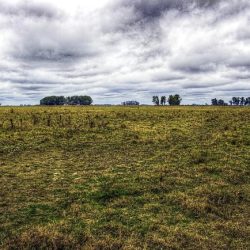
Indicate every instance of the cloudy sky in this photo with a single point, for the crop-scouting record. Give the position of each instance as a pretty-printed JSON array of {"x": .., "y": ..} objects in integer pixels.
[{"x": 118, "y": 50}]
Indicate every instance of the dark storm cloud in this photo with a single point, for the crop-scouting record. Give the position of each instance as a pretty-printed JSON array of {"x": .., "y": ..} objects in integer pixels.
[{"x": 148, "y": 10}]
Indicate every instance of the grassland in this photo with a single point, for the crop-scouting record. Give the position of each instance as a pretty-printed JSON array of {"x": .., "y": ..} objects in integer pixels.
[{"x": 124, "y": 178}]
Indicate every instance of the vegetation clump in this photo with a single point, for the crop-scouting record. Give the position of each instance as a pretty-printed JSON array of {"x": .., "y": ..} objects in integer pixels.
[
  {"x": 61, "y": 100},
  {"x": 124, "y": 178}
]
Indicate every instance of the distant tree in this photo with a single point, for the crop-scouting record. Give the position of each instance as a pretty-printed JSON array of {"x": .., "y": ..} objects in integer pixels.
[
  {"x": 53, "y": 100},
  {"x": 156, "y": 100},
  {"x": 236, "y": 101},
  {"x": 79, "y": 100},
  {"x": 247, "y": 101},
  {"x": 174, "y": 100},
  {"x": 163, "y": 100},
  {"x": 222, "y": 103},
  {"x": 242, "y": 101},
  {"x": 131, "y": 103},
  {"x": 214, "y": 102},
  {"x": 231, "y": 102},
  {"x": 61, "y": 100}
]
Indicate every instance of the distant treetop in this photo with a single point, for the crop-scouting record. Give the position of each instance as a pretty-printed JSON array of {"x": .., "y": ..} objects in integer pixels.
[
  {"x": 131, "y": 103},
  {"x": 71, "y": 100},
  {"x": 173, "y": 100},
  {"x": 235, "y": 101}
]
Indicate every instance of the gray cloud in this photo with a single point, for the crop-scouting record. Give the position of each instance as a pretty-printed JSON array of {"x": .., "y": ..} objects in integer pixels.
[
  {"x": 49, "y": 41},
  {"x": 149, "y": 10},
  {"x": 128, "y": 49},
  {"x": 29, "y": 10}
]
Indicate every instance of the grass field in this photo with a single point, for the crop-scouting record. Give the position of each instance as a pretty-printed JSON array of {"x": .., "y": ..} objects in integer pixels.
[{"x": 124, "y": 178}]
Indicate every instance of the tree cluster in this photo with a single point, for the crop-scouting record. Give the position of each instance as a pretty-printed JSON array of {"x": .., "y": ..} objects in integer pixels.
[
  {"x": 220, "y": 102},
  {"x": 236, "y": 101},
  {"x": 173, "y": 100},
  {"x": 71, "y": 100},
  {"x": 242, "y": 101}
]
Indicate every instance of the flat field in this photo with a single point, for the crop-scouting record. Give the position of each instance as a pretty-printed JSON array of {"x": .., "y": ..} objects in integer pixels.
[{"x": 124, "y": 178}]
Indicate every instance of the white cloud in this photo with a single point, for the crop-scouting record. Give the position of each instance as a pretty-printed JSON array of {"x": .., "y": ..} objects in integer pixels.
[{"x": 121, "y": 49}]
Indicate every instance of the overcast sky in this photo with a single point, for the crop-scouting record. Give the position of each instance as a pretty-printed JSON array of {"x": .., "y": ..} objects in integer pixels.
[{"x": 118, "y": 50}]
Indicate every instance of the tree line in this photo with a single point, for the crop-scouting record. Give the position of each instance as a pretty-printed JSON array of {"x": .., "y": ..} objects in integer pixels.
[
  {"x": 173, "y": 100},
  {"x": 71, "y": 100},
  {"x": 235, "y": 101}
]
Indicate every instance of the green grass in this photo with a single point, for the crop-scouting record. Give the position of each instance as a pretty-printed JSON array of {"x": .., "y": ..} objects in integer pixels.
[{"x": 124, "y": 178}]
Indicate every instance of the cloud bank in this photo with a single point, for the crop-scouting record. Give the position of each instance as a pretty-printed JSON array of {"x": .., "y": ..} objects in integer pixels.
[{"x": 125, "y": 49}]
